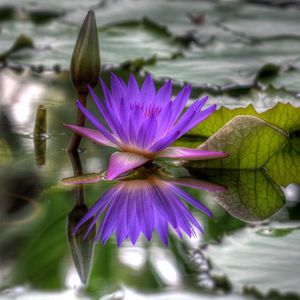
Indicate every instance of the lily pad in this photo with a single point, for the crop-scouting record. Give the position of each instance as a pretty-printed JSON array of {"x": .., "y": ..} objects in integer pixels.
[
  {"x": 262, "y": 22},
  {"x": 264, "y": 261},
  {"x": 284, "y": 116},
  {"x": 224, "y": 64},
  {"x": 249, "y": 141},
  {"x": 289, "y": 79}
]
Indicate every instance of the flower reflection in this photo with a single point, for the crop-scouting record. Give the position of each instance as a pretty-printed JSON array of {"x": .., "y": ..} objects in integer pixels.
[
  {"x": 141, "y": 124},
  {"x": 143, "y": 205}
]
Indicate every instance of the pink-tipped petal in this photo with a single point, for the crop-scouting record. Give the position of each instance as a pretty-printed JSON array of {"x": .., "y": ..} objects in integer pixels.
[
  {"x": 190, "y": 153},
  {"x": 94, "y": 135},
  {"x": 121, "y": 162}
]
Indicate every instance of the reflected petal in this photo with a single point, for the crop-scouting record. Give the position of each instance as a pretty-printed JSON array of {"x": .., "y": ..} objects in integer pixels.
[
  {"x": 121, "y": 162},
  {"x": 191, "y": 200},
  {"x": 199, "y": 184}
]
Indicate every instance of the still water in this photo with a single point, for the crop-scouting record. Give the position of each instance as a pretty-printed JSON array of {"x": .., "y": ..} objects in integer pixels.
[{"x": 248, "y": 248}]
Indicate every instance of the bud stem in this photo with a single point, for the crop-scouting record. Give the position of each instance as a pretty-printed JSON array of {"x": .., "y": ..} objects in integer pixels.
[{"x": 76, "y": 138}]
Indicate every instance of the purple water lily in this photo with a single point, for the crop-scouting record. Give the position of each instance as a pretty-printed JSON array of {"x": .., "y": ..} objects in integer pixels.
[
  {"x": 142, "y": 124},
  {"x": 132, "y": 207}
]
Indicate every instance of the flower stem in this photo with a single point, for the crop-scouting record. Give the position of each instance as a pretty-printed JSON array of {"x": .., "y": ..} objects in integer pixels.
[{"x": 76, "y": 138}]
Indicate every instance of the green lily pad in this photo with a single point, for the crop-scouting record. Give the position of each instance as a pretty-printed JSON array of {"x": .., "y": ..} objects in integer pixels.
[
  {"x": 253, "y": 258},
  {"x": 282, "y": 115},
  {"x": 249, "y": 141}
]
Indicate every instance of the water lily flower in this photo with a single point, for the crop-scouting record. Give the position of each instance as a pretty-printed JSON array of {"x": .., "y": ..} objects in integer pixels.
[
  {"x": 132, "y": 207},
  {"x": 141, "y": 124}
]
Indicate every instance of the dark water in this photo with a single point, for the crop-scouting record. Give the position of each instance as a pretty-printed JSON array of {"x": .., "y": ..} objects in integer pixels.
[{"x": 249, "y": 248}]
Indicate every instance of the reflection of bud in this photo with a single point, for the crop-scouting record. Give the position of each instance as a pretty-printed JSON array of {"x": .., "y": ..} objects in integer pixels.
[
  {"x": 85, "y": 63},
  {"x": 82, "y": 249},
  {"x": 40, "y": 140}
]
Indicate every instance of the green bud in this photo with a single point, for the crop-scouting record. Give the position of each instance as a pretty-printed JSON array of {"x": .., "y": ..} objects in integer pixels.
[{"x": 85, "y": 62}]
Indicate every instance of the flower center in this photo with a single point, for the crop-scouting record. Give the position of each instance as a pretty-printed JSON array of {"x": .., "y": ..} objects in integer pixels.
[{"x": 147, "y": 110}]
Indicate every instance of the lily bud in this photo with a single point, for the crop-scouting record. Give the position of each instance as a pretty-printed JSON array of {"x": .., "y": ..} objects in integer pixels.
[{"x": 85, "y": 62}]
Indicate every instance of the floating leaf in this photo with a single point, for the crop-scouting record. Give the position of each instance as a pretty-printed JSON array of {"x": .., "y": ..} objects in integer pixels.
[
  {"x": 282, "y": 115},
  {"x": 249, "y": 141},
  {"x": 226, "y": 64}
]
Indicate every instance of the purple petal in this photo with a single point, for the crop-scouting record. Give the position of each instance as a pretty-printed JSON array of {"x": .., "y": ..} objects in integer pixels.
[
  {"x": 180, "y": 102},
  {"x": 164, "y": 142},
  {"x": 118, "y": 88},
  {"x": 145, "y": 213},
  {"x": 189, "y": 218},
  {"x": 147, "y": 132},
  {"x": 110, "y": 103},
  {"x": 190, "y": 153},
  {"x": 187, "y": 117},
  {"x": 132, "y": 218},
  {"x": 133, "y": 128},
  {"x": 98, "y": 207},
  {"x": 109, "y": 117},
  {"x": 181, "y": 219},
  {"x": 198, "y": 118},
  {"x": 121, "y": 227},
  {"x": 91, "y": 134},
  {"x": 192, "y": 117},
  {"x": 164, "y": 94},
  {"x": 110, "y": 220},
  {"x": 164, "y": 120},
  {"x": 96, "y": 123},
  {"x": 148, "y": 90},
  {"x": 100, "y": 107},
  {"x": 134, "y": 94},
  {"x": 94, "y": 221},
  {"x": 121, "y": 162},
  {"x": 161, "y": 227},
  {"x": 161, "y": 198}
]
